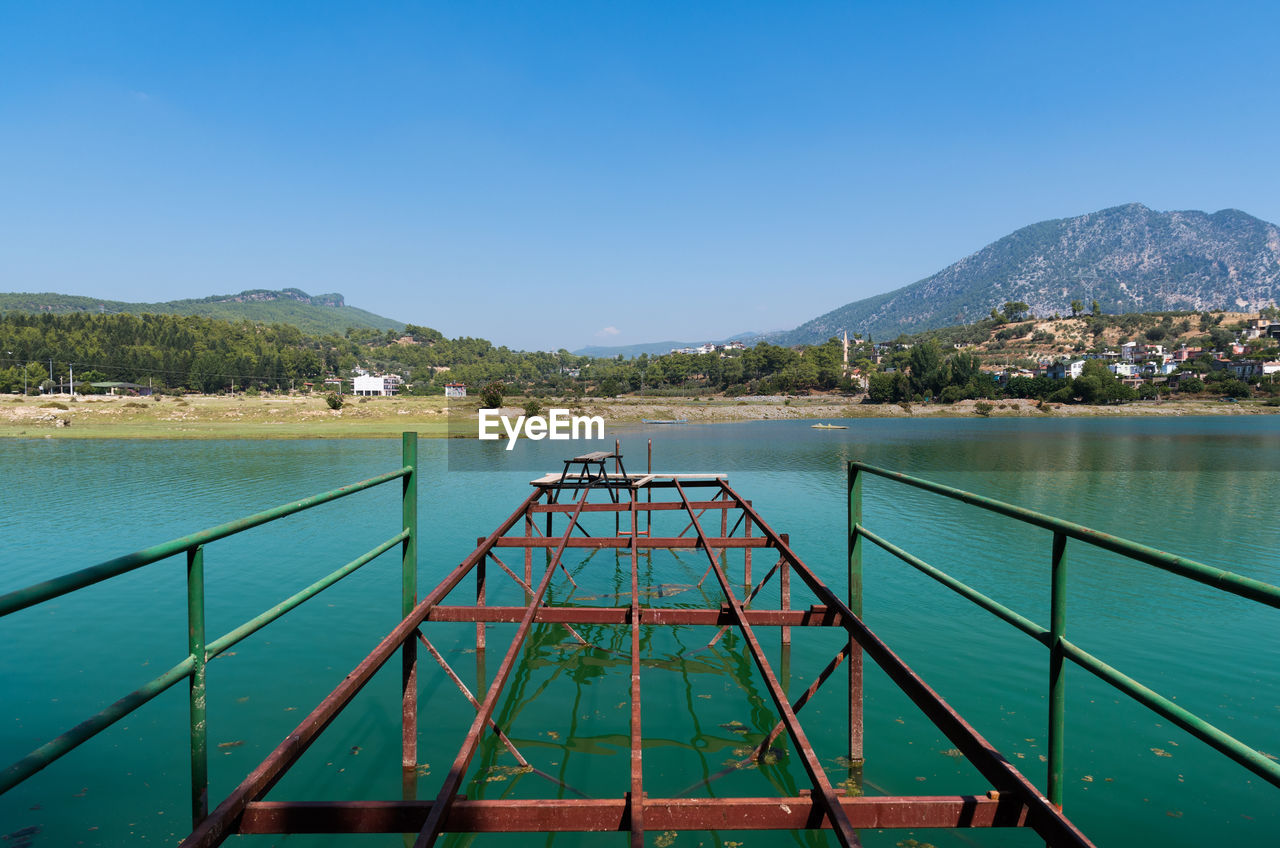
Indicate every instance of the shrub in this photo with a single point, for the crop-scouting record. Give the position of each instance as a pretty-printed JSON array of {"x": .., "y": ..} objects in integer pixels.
[
  {"x": 491, "y": 395},
  {"x": 983, "y": 408},
  {"x": 334, "y": 400},
  {"x": 532, "y": 408},
  {"x": 53, "y": 404},
  {"x": 133, "y": 404},
  {"x": 1234, "y": 388}
]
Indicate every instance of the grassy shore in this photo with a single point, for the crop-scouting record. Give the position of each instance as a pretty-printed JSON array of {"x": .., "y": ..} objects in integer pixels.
[{"x": 307, "y": 417}]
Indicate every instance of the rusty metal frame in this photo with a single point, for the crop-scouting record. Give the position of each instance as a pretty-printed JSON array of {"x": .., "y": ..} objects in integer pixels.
[{"x": 1008, "y": 799}]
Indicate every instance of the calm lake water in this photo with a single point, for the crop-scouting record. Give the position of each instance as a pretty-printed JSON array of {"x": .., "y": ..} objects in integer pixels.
[{"x": 1204, "y": 488}]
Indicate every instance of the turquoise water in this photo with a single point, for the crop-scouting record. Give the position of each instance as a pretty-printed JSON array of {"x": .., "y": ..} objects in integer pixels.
[{"x": 1204, "y": 488}]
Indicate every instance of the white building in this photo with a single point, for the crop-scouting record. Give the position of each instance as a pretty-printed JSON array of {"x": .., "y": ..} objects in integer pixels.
[
  {"x": 376, "y": 385},
  {"x": 455, "y": 390}
]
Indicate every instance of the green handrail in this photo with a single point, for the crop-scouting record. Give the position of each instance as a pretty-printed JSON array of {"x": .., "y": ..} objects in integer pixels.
[
  {"x": 192, "y": 667},
  {"x": 1054, "y": 637}
]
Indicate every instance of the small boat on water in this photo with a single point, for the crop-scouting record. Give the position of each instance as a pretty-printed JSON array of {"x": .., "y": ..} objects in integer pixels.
[
  {"x": 829, "y": 426},
  {"x": 664, "y": 420}
]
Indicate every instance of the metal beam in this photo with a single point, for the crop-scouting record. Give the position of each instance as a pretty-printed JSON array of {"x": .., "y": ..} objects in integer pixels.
[
  {"x": 431, "y": 829},
  {"x": 844, "y": 830},
  {"x": 610, "y": 815}
]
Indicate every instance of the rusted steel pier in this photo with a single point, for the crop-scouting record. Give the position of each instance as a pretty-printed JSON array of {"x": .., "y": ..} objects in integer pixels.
[{"x": 570, "y": 512}]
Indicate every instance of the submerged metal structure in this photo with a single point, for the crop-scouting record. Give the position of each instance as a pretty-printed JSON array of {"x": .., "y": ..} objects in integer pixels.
[{"x": 626, "y": 514}]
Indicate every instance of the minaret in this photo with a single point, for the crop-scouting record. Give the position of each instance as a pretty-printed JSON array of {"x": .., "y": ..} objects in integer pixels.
[{"x": 846, "y": 351}]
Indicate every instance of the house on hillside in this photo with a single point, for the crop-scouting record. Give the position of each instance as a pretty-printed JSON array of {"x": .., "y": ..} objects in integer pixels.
[
  {"x": 1246, "y": 369},
  {"x": 1064, "y": 370},
  {"x": 455, "y": 390},
  {"x": 1259, "y": 327},
  {"x": 1123, "y": 369}
]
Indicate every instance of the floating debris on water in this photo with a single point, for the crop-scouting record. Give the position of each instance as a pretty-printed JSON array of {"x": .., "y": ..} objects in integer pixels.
[
  {"x": 355, "y": 750},
  {"x": 735, "y": 726},
  {"x": 666, "y": 839},
  {"x": 500, "y": 773},
  {"x": 423, "y": 769},
  {"x": 953, "y": 752},
  {"x": 235, "y": 744},
  {"x": 1161, "y": 752},
  {"x": 1088, "y": 778},
  {"x": 851, "y": 787}
]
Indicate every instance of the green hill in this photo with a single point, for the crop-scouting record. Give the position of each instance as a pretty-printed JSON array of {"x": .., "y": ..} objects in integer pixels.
[{"x": 319, "y": 314}]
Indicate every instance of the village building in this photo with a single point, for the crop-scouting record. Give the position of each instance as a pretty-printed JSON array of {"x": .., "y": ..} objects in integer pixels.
[{"x": 377, "y": 385}]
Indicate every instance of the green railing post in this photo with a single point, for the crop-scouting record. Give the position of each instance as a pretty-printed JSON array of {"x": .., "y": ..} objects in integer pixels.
[
  {"x": 1057, "y": 667},
  {"x": 409, "y": 600},
  {"x": 855, "y": 606},
  {"x": 199, "y": 725}
]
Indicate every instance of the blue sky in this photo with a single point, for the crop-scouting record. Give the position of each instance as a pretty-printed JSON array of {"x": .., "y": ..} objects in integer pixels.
[{"x": 558, "y": 174}]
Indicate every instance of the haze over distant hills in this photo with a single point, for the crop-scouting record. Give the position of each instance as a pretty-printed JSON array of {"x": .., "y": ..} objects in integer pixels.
[
  {"x": 655, "y": 348},
  {"x": 324, "y": 313},
  {"x": 1128, "y": 258}
]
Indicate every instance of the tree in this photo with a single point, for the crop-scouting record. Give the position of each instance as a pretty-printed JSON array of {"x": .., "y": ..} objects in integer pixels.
[
  {"x": 1013, "y": 310},
  {"x": 1076, "y": 308},
  {"x": 1234, "y": 388},
  {"x": 491, "y": 395},
  {"x": 927, "y": 377},
  {"x": 1097, "y": 310}
]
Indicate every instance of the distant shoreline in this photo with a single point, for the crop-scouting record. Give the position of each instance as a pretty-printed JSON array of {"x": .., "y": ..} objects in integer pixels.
[{"x": 308, "y": 417}]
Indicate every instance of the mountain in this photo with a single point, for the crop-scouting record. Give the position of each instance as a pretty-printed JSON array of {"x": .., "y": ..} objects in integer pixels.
[
  {"x": 324, "y": 313},
  {"x": 1128, "y": 258}
]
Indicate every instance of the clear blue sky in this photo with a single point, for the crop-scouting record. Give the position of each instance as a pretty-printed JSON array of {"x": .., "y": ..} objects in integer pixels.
[{"x": 560, "y": 174}]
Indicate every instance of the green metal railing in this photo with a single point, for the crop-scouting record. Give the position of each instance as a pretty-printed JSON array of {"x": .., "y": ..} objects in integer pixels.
[
  {"x": 1054, "y": 636},
  {"x": 199, "y": 650}
]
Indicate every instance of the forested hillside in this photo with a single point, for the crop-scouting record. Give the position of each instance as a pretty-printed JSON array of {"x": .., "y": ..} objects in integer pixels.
[{"x": 323, "y": 313}]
